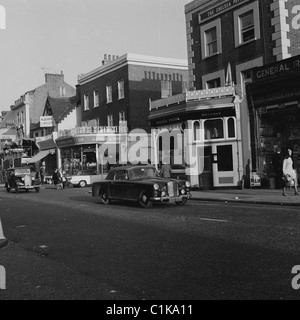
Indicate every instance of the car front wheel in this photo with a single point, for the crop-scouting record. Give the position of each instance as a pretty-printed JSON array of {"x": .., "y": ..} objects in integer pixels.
[
  {"x": 144, "y": 200},
  {"x": 103, "y": 196}
]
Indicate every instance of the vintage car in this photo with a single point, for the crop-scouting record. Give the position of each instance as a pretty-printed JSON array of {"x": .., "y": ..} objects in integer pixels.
[
  {"x": 21, "y": 179},
  {"x": 84, "y": 178},
  {"x": 141, "y": 184}
]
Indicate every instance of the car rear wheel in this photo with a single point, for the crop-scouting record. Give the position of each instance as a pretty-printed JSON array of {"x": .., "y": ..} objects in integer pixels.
[
  {"x": 37, "y": 190},
  {"x": 82, "y": 184},
  {"x": 182, "y": 202},
  {"x": 144, "y": 200},
  {"x": 103, "y": 196}
]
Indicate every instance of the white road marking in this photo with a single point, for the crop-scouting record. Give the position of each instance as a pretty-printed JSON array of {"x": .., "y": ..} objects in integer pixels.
[{"x": 213, "y": 220}]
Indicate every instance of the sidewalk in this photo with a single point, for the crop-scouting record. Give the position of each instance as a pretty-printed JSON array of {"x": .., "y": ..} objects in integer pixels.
[{"x": 254, "y": 196}]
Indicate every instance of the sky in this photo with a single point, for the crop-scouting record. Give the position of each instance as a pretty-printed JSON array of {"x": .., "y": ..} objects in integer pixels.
[{"x": 74, "y": 35}]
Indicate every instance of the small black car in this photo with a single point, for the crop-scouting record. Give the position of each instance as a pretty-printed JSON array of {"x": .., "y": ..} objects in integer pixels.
[{"x": 21, "y": 179}]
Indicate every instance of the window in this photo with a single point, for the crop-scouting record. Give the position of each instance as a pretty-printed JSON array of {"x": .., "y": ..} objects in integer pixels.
[
  {"x": 215, "y": 83},
  {"x": 214, "y": 129},
  {"x": 231, "y": 128},
  {"x": 122, "y": 116},
  {"x": 196, "y": 131},
  {"x": 246, "y": 24},
  {"x": 211, "y": 43},
  {"x": 62, "y": 91},
  {"x": 110, "y": 120},
  {"x": 96, "y": 98},
  {"x": 121, "y": 93},
  {"x": 166, "y": 88},
  {"x": 86, "y": 103},
  {"x": 108, "y": 94}
]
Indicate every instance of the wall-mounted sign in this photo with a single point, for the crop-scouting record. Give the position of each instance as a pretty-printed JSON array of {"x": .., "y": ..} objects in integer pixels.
[
  {"x": 46, "y": 122},
  {"x": 222, "y": 7}
]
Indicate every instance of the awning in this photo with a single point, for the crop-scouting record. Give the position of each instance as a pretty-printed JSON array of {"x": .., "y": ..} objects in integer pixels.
[{"x": 41, "y": 155}]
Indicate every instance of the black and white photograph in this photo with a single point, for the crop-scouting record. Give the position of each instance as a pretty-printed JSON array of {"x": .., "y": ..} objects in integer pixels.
[{"x": 149, "y": 152}]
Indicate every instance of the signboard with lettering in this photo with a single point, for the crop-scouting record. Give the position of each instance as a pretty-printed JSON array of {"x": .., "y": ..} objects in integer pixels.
[
  {"x": 46, "y": 122},
  {"x": 219, "y": 9}
]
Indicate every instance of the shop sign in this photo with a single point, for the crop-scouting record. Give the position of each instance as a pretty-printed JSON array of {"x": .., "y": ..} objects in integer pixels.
[
  {"x": 278, "y": 69},
  {"x": 219, "y": 9},
  {"x": 46, "y": 122}
]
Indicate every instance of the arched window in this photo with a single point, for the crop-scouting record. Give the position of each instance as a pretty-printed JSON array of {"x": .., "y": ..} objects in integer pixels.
[
  {"x": 214, "y": 129},
  {"x": 196, "y": 131},
  {"x": 231, "y": 128}
]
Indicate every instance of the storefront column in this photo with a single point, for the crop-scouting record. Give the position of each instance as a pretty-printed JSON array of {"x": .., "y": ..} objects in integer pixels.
[
  {"x": 59, "y": 162},
  {"x": 237, "y": 104},
  {"x": 191, "y": 153}
]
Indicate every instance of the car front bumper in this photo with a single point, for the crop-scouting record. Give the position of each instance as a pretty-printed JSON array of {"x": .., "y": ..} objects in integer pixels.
[{"x": 171, "y": 199}]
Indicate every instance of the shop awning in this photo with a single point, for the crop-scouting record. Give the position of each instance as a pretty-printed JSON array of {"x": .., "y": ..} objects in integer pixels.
[{"x": 41, "y": 155}]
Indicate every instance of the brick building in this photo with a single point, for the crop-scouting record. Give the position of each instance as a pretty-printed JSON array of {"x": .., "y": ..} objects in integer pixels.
[
  {"x": 115, "y": 97},
  {"x": 226, "y": 39}
]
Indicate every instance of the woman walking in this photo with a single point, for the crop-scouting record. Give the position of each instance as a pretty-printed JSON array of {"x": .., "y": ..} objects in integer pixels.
[{"x": 289, "y": 172}]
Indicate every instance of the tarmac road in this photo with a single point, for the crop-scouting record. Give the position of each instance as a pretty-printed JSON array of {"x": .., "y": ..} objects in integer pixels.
[{"x": 63, "y": 245}]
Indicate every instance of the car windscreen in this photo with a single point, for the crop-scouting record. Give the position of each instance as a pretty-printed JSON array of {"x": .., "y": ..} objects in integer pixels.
[{"x": 142, "y": 173}]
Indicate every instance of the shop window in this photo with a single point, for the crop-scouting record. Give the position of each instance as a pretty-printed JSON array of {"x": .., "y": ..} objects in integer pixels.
[
  {"x": 231, "y": 128},
  {"x": 196, "y": 131},
  {"x": 225, "y": 158},
  {"x": 214, "y": 129}
]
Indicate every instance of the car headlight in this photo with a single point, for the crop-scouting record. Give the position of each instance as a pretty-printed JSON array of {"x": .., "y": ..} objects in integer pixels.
[
  {"x": 156, "y": 186},
  {"x": 182, "y": 191},
  {"x": 187, "y": 184},
  {"x": 163, "y": 194}
]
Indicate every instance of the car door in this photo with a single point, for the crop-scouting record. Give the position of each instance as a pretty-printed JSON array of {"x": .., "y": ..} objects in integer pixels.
[{"x": 118, "y": 187}]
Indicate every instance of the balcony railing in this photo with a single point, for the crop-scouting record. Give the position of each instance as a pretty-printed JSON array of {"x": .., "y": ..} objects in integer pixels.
[
  {"x": 192, "y": 96},
  {"x": 91, "y": 130}
]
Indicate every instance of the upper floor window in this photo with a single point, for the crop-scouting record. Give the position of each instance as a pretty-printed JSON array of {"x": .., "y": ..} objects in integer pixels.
[
  {"x": 96, "y": 98},
  {"x": 214, "y": 83},
  {"x": 122, "y": 116},
  {"x": 166, "y": 88},
  {"x": 62, "y": 91},
  {"x": 108, "y": 94},
  {"x": 211, "y": 43},
  {"x": 246, "y": 24},
  {"x": 121, "y": 92},
  {"x": 110, "y": 120},
  {"x": 86, "y": 102}
]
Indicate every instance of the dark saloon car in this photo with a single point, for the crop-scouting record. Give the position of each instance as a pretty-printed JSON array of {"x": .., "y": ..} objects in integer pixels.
[
  {"x": 21, "y": 179},
  {"x": 141, "y": 184}
]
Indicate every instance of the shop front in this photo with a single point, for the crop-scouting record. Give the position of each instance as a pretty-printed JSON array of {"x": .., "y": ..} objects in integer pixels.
[
  {"x": 274, "y": 106},
  {"x": 210, "y": 125}
]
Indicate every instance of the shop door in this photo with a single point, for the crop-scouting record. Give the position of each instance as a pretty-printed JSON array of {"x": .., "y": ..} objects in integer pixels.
[
  {"x": 225, "y": 165},
  {"x": 206, "y": 169}
]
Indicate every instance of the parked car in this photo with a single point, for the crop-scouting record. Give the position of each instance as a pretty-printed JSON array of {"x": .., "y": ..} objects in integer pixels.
[
  {"x": 141, "y": 184},
  {"x": 21, "y": 179},
  {"x": 84, "y": 178}
]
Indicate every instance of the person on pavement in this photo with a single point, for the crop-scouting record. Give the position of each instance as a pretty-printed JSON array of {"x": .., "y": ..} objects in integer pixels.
[
  {"x": 289, "y": 172},
  {"x": 166, "y": 170}
]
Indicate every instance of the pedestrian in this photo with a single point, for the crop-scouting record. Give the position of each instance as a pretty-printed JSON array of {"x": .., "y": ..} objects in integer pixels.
[
  {"x": 277, "y": 163},
  {"x": 64, "y": 179},
  {"x": 56, "y": 177},
  {"x": 166, "y": 169},
  {"x": 42, "y": 174},
  {"x": 289, "y": 172}
]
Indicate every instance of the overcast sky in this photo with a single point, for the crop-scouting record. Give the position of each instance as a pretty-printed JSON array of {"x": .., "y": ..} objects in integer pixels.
[{"x": 74, "y": 35}]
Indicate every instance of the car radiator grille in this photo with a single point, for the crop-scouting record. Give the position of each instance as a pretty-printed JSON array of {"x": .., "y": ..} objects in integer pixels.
[{"x": 172, "y": 189}]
